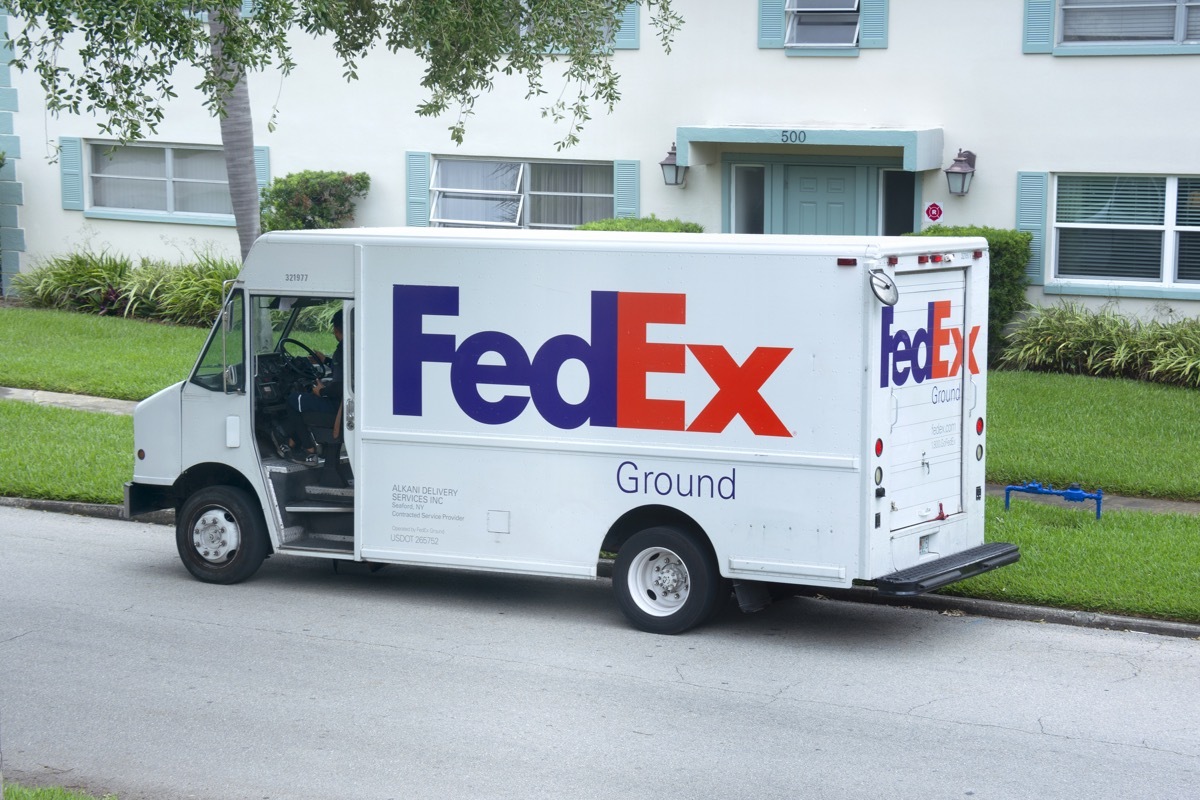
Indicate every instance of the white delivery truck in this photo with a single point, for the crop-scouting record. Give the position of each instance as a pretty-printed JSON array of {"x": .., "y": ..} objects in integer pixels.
[{"x": 720, "y": 411}]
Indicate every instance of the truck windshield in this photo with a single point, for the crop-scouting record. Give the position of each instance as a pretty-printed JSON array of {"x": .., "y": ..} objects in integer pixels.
[{"x": 306, "y": 320}]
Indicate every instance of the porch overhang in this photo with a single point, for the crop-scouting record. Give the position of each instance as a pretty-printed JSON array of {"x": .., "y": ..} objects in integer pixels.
[{"x": 921, "y": 147}]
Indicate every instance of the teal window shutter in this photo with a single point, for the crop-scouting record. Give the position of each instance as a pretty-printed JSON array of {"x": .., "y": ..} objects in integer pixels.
[
  {"x": 416, "y": 181},
  {"x": 1039, "y": 26},
  {"x": 771, "y": 24},
  {"x": 627, "y": 37},
  {"x": 262, "y": 167},
  {"x": 1032, "y": 191},
  {"x": 873, "y": 23},
  {"x": 627, "y": 187},
  {"x": 70, "y": 167}
]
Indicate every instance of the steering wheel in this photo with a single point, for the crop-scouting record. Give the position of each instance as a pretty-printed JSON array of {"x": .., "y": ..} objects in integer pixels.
[{"x": 302, "y": 366}]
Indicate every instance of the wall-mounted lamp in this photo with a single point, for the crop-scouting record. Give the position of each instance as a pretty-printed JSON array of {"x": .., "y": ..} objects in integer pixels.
[
  {"x": 673, "y": 174},
  {"x": 959, "y": 174}
]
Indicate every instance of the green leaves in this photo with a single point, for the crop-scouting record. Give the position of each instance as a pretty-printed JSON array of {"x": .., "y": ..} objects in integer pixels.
[
  {"x": 311, "y": 199},
  {"x": 129, "y": 52},
  {"x": 1071, "y": 338},
  {"x": 111, "y": 285}
]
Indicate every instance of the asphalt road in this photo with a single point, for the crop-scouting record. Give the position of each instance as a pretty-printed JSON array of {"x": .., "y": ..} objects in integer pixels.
[{"x": 120, "y": 673}]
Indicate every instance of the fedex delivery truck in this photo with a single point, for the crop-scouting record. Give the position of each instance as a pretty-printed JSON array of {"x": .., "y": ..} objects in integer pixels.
[{"x": 724, "y": 413}]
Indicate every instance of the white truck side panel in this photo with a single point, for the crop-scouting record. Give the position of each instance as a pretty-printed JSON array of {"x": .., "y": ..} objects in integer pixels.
[{"x": 442, "y": 487}]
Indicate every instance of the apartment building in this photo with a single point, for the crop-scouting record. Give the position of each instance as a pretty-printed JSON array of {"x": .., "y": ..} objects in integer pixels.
[{"x": 790, "y": 116}]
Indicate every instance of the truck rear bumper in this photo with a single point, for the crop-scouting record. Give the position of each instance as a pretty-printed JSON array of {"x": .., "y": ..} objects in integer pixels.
[{"x": 935, "y": 574}]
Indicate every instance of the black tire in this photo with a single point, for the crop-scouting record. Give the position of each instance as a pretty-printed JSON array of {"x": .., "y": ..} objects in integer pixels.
[
  {"x": 666, "y": 580},
  {"x": 221, "y": 535}
]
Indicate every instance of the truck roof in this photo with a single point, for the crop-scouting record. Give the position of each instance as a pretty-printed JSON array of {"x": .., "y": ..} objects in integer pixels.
[{"x": 863, "y": 246}]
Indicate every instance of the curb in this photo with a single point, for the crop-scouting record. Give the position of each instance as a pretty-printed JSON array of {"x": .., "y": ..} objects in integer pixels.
[
  {"x": 99, "y": 510},
  {"x": 929, "y": 602}
]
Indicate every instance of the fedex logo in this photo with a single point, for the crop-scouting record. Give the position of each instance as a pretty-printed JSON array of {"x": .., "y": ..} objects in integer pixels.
[
  {"x": 618, "y": 358},
  {"x": 902, "y": 356}
]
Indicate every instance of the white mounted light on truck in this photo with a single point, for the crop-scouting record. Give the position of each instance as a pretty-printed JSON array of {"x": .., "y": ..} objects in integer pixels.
[
  {"x": 979, "y": 452},
  {"x": 878, "y": 475}
]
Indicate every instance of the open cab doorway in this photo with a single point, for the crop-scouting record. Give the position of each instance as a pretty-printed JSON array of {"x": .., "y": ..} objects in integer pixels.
[{"x": 302, "y": 452}]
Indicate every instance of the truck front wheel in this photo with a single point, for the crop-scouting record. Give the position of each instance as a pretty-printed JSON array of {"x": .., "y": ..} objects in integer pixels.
[
  {"x": 220, "y": 535},
  {"x": 666, "y": 581}
]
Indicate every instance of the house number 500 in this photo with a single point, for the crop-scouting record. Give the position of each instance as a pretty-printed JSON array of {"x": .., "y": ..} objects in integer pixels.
[{"x": 792, "y": 137}]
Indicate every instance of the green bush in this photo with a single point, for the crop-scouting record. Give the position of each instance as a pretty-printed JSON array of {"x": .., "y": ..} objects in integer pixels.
[
  {"x": 643, "y": 225},
  {"x": 1073, "y": 339},
  {"x": 1008, "y": 253},
  {"x": 87, "y": 281},
  {"x": 311, "y": 199},
  {"x": 107, "y": 284}
]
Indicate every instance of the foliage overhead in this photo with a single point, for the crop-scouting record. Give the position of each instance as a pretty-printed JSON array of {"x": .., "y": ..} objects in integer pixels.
[{"x": 130, "y": 51}]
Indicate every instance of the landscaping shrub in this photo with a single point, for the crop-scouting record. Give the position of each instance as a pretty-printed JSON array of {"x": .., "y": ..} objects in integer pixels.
[
  {"x": 642, "y": 225},
  {"x": 1071, "y": 338},
  {"x": 1008, "y": 253},
  {"x": 311, "y": 199},
  {"x": 87, "y": 281},
  {"x": 108, "y": 284}
]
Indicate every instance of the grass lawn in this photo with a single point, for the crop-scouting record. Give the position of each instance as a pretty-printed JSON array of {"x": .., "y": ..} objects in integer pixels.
[
  {"x": 14, "y": 791},
  {"x": 61, "y": 454},
  {"x": 1122, "y": 436},
  {"x": 1127, "y": 562},
  {"x": 62, "y": 351}
]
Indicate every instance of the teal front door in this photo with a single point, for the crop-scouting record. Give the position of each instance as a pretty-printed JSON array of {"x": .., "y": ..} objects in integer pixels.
[{"x": 819, "y": 200}]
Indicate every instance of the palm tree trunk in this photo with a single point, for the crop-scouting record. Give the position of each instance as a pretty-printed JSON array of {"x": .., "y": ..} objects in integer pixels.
[{"x": 237, "y": 140}]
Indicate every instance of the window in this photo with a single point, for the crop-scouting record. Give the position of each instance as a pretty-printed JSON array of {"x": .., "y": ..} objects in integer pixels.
[
  {"x": 822, "y": 27},
  {"x": 822, "y": 23},
  {"x": 221, "y": 367},
  {"x": 1112, "y": 27},
  {"x": 1128, "y": 228},
  {"x": 180, "y": 184},
  {"x": 517, "y": 194},
  {"x": 164, "y": 179},
  {"x": 1135, "y": 21}
]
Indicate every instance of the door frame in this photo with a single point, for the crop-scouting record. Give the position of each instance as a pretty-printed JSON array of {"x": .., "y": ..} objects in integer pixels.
[{"x": 868, "y": 179}]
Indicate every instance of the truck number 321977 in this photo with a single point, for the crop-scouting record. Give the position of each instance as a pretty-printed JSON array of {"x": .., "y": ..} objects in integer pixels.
[{"x": 295, "y": 276}]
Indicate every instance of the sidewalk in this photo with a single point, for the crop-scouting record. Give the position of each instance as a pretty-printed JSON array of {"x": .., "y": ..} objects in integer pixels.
[
  {"x": 79, "y": 402},
  {"x": 942, "y": 603}
]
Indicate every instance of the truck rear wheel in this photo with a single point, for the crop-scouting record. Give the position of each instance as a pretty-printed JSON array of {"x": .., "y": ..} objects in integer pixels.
[
  {"x": 220, "y": 535},
  {"x": 666, "y": 581}
]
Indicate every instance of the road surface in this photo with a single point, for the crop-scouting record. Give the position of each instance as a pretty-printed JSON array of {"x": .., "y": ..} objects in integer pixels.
[{"x": 120, "y": 673}]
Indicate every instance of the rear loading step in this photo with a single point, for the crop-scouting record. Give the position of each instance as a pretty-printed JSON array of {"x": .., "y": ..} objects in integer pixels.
[{"x": 935, "y": 574}]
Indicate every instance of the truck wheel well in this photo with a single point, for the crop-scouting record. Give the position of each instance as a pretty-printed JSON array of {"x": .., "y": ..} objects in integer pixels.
[
  {"x": 209, "y": 474},
  {"x": 643, "y": 517}
]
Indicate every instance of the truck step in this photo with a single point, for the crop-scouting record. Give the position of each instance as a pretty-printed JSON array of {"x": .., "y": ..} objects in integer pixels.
[
  {"x": 319, "y": 508},
  {"x": 331, "y": 494},
  {"x": 322, "y": 544},
  {"x": 934, "y": 574}
]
